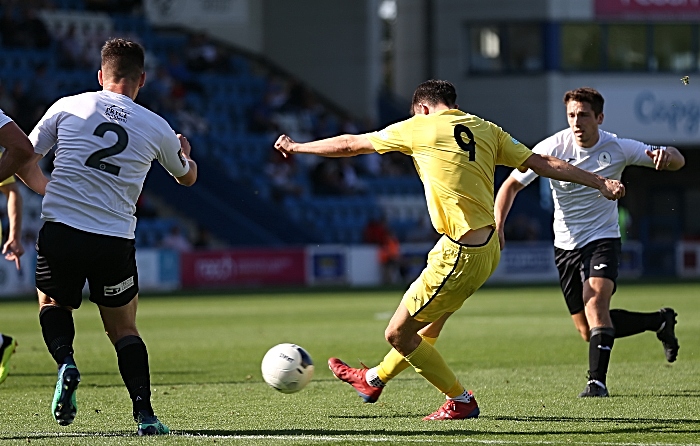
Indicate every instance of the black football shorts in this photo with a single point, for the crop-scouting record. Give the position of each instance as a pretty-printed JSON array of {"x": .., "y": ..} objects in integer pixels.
[
  {"x": 599, "y": 258},
  {"x": 67, "y": 257}
]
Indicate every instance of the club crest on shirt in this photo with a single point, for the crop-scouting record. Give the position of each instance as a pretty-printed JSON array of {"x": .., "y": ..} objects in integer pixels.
[
  {"x": 604, "y": 159},
  {"x": 117, "y": 113}
]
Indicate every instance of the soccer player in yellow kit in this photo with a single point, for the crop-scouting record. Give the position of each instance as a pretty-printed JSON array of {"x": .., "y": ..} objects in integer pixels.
[{"x": 455, "y": 154}]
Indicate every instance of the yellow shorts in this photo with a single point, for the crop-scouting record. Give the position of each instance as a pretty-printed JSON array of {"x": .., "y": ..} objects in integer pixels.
[{"x": 454, "y": 272}]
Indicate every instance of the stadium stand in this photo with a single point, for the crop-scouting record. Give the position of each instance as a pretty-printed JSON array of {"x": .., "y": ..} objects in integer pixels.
[{"x": 231, "y": 106}]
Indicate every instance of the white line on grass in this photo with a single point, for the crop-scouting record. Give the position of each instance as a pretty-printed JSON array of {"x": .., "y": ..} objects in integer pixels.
[
  {"x": 403, "y": 439},
  {"x": 359, "y": 438}
]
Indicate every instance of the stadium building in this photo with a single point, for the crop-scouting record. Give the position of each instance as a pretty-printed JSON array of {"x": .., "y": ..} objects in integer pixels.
[{"x": 232, "y": 74}]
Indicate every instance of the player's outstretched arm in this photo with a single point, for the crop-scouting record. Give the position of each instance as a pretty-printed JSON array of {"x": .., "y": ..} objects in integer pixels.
[
  {"x": 556, "y": 169},
  {"x": 504, "y": 201},
  {"x": 190, "y": 177},
  {"x": 335, "y": 147},
  {"x": 666, "y": 158},
  {"x": 13, "y": 249},
  {"x": 18, "y": 149},
  {"x": 32, "y": 175}
]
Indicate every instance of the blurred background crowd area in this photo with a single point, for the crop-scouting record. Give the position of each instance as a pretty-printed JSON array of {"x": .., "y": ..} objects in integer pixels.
[{"x": 232, "y": 103}]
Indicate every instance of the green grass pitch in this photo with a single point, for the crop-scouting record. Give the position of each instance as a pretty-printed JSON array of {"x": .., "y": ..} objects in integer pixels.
[{"x": 516, "y": 348}]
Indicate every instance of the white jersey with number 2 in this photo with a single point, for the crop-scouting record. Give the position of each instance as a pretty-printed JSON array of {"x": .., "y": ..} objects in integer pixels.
[
  {"x": 581, "y": 213},
  {"x": 106, "y": 144}
]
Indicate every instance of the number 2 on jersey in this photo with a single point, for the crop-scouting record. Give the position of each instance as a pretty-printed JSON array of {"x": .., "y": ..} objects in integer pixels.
[
  {"x": 95, "y": 160},
  {"x": 469, "y": 147}
]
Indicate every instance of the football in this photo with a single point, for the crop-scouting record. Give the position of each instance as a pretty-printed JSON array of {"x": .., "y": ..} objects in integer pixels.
[{"x": 287, "y": 368}]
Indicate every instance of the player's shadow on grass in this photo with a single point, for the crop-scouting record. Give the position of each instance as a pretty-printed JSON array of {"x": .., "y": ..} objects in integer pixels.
[
  {"x": 548, "y": 419},
  {"x": 616, "y": 420},
  {"x": 678, "y": 393},
  {"x": 88, "y": 373},
  {"x": 453, "y": 433}
]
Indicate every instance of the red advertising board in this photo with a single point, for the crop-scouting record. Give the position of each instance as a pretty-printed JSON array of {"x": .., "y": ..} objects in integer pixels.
[
  {"x": 647, "y": 8},
  {"x": 243, "y": 267}
]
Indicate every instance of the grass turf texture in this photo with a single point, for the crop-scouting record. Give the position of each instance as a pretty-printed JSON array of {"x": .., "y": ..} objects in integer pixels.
[{"x": 515, "y": 347}]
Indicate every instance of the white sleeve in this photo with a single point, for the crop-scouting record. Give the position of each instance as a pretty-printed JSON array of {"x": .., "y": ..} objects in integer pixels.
[
  {"x": 635, "y": 152},
  {"x": 527, "y": 177},
  {"x": 4, "y": 119},
  {"x": 45, "y": 133},
  {"x": 170, "y": 155}
]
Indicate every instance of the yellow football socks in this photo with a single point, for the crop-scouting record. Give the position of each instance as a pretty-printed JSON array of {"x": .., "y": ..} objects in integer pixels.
[
  {"x": 393, "y": 363},
  {"x": 429, "y": 363}
]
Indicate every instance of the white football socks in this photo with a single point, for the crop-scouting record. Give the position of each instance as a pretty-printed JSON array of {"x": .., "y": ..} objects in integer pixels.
[
  {"x": 373, "y": 379},
  {"x": 465, "y": 397}
]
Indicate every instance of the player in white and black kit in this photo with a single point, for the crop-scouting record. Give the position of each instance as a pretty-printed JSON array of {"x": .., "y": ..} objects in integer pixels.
[
  {"x": 105, "y": 146},
  {"x": 587, "y": 234}
]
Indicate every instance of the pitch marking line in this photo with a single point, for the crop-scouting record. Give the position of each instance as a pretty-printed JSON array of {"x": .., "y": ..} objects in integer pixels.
[
  {"x": 359, "y": 438},
  {"x": 415, "y": 440},
  {"x": 402, "y": 439}
]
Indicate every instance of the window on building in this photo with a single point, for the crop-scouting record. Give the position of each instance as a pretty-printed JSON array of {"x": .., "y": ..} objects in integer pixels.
[
  {"x": 525, "y": 52},
  {"x": 627, "y": 47},
  {"x": 673, "y": 48},
  {"x": 578, "y": 46},
  {"x": 581, "y": 47},
  {"x": 505, "y": 48},
  {"x": 485, "y": 49}
]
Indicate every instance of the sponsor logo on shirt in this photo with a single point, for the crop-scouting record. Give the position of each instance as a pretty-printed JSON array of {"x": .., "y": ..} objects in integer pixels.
[
  {"x": 604, "y": 159},
  {"x": 383, "y": 134},
  {"x": 117, "y": 113},
  {"x": 515, "y": 141}
]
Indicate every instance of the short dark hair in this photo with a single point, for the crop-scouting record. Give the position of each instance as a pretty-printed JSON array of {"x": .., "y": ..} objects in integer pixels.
[
  {"x": 586, "y": 94},
  {"x": 122, "y": 59},
  {"x": 434, "y": 92}
]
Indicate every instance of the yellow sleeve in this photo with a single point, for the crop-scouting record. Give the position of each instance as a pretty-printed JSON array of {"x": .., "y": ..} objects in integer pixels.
[
  {"x": 511, "y": 152},
  {"x": 396, "y": 137},
  {"x": 8, "y": 181}
]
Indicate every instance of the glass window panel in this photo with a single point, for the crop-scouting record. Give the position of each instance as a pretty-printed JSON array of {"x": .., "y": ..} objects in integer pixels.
[
  {"x": 580, "y": 47},
  {"x": 485, "y": 49},
  {"x": 627, "y": 47},
  {"x": 673, "y": 48},
  {"x": 525, "y": 47}
]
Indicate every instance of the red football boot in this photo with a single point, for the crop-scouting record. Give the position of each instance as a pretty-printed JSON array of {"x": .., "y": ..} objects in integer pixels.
[
  {"x": 356, "y": 378},
  {"x": 456, "y": 410}
]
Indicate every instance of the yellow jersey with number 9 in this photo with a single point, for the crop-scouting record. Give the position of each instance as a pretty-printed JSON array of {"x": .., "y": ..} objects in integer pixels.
[{"x": 455, "y": 154}]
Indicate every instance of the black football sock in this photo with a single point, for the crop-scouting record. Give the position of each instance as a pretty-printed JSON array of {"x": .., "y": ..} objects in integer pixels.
[
  {"x": 58, "y": 331},
  {"x": 133, "y": 366},
  {"x": 599, "y": 349},
  {"x": 628, "y": 323}
]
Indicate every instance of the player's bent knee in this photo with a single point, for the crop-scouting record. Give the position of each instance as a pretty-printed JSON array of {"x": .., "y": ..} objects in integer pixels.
[{"x": 391, "y": 336}]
